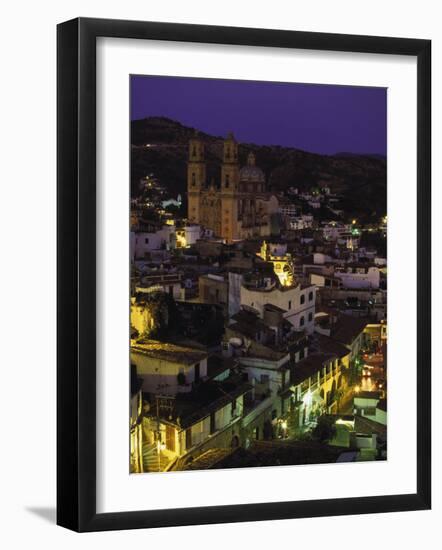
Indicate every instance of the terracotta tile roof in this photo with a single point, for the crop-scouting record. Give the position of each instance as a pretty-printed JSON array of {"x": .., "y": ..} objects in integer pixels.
[
  {"x": 309, "y": 366},
  {"x": 169, "y": 352},
  {"x": 328, "y": 345},
  {"x": 347, "y": 328},
  {"x": 209, "y": 397}
]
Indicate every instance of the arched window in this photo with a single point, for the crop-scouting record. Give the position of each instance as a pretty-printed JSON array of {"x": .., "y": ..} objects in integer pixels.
[
  {"x": 302, "y": 298},
  {"x": 193, "y": 178},
  {"x": 310, "y": 296},
  {"x": 310, "y": 316},
  {"x": 301, "y": 321},
  {"x": 227, "y": 180}
]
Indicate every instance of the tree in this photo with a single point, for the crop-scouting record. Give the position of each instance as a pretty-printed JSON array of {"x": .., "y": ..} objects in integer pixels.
[
  {"x": 339, "y": 394},
  {"x": 163, "y": 314},
  {"x": 355, "y": 370},
  {"x": 325, "y": 429},
  {"x": 292, "y": 419}
]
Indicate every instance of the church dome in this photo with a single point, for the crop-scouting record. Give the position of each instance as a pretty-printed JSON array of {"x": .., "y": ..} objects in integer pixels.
[{"x": 251, "y": 172}]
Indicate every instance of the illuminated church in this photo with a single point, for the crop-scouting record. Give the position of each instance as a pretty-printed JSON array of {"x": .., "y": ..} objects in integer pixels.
[{"x": 240, "y": 206}]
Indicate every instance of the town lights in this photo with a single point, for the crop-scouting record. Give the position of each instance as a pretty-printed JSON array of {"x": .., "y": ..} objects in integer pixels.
[
  {"x": 282, "y": 428},
  {"x": 357, "y": 389},
  {"x": 353, "y": 222}
]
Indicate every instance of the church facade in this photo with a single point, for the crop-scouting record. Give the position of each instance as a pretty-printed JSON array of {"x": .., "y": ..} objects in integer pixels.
[{"x": 239, "y": 207}]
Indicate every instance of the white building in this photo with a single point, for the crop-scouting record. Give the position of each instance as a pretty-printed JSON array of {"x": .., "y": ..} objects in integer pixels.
[
  {"x": 168, "y": 369},
  {"x": 335, "y": 230},
  {"x": 381, "y": 262},
  {"x": 188, "y": 235},
  {"x": 358, "y": 276},
  {"x": 287, "y": 209},
  {"x": 297, "y": 303},
  {"x": 319, "y": 258},
  {"x": 161, "y": 281},
  {"x": 143, "y": 243},
  {"x": 302, "y": 222},
  {"x": 371, "y": 405},
  {"x": 345, "y": 276}
]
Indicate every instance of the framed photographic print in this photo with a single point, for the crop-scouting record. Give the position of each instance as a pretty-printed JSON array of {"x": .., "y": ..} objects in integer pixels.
[{"x": 237, "y": 209}]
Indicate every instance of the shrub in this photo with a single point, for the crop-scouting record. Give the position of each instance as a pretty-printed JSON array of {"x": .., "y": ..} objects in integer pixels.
[{"x": 325, "y": 429}]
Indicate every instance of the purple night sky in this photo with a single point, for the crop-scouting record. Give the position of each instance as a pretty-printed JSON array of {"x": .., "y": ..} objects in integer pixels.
[{"x": 316, "y": 118}]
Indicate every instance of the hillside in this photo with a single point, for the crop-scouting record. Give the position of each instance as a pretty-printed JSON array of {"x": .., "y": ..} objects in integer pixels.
[{"x": 359, "y": 179}]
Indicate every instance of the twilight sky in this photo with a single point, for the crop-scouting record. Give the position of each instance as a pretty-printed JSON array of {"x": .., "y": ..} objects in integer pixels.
[{"x": 316, "y": 118}]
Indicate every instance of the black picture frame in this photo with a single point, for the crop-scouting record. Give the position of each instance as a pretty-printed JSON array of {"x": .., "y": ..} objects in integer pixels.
[{"x": 76, "y": 274}]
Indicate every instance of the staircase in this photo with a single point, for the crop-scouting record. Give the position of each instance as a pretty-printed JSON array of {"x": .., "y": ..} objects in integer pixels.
[
  {"x": 150, "y": 459},
  {"x": 208, "y": 459}
]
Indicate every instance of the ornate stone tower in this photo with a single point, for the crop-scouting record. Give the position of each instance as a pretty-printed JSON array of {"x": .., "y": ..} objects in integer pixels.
[
  {"x": 196, "y": 178},
  {"x": 229, "y": 189},
  {"x": 230, "y": 167}
]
